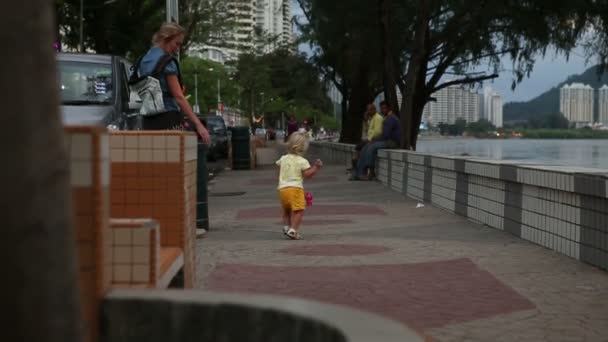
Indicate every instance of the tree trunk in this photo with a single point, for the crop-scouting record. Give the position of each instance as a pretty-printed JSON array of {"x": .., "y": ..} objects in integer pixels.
[
  {"x": 414, "y": 78},
  {"x": 390, "y": 79},
  {"x": 361, "y": 94},
  {"x": 37, "y": 249}
]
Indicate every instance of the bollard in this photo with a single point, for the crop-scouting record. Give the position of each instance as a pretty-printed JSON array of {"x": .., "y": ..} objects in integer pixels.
[
  {"x": 241, "y": 157},
  {"x": 202, "y": 212}
]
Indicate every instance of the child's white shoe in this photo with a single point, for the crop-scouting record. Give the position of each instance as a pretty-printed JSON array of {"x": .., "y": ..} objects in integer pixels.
[
  {"x": 293, "y": 234},
  {"x": 285, "y": 229}
]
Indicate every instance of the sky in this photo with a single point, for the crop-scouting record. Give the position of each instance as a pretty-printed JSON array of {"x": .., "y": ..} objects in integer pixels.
[{"x": 548, "y": 71}]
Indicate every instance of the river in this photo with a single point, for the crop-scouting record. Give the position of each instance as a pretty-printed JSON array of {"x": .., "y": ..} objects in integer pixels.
[{"x": 582, "y": 153}]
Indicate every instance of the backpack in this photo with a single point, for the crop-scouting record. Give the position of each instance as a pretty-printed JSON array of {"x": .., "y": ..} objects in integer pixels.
[{"x": 148, "y": 86}]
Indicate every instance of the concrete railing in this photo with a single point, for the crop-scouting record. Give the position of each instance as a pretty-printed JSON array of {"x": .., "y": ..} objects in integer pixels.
[
  {"x": 185, "y": 315},
  {"x": 561, "y": 208}
]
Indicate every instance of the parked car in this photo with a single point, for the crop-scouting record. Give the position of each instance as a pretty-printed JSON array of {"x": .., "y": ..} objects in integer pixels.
[
  {"x": 219, "y": 137},
  {"x": 280, "y": 134},
  {"x": 94, "y": 91}
]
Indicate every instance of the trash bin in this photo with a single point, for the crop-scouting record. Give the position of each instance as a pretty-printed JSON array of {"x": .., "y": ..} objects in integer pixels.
[
  {"x": 202, "y": 212},
  {"x": 241, "y": 159}
]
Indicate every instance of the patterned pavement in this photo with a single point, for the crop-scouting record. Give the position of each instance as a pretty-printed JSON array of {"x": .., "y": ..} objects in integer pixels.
[{"x": 369, "y": 248}]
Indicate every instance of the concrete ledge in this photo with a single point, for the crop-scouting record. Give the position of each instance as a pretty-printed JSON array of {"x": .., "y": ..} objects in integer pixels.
[
  {"x": 171, "y": 315},
  {"x": 561, "y": 208}
]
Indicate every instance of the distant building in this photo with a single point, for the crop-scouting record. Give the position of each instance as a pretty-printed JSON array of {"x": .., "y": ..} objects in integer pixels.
[
  {"x": 254, "y": 21},
  {"x": 576, "y": 103},
  {"x": 455, "y": 102},
  {"x": 274, "y": 20},
  {"x": 492, "y": 107},
  {"x": 497, "y": 106},
  {"x": 603, "y": 105}
]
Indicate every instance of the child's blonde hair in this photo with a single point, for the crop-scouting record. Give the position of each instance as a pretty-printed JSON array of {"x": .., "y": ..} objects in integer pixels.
[{"x": 297, "y": 144}]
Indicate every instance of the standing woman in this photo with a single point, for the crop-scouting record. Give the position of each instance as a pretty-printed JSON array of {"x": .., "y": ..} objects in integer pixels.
[{"x": 167, "y": 42}]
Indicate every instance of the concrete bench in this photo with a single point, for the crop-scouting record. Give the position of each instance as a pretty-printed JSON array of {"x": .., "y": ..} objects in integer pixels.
[{"x": 139, "y": 261}]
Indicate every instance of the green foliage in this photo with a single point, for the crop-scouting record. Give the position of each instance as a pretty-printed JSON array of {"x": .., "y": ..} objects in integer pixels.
[
  {"x": 455, "y": 129},
  {"x": 329, "y": 123},
  {"x": 553, "y": 120},
  {"x": 280, "y": 84},
  {"x": 481, "y": 126},
  {"x": 125, "y": 27},
  {"x": 208, "y": 74}
]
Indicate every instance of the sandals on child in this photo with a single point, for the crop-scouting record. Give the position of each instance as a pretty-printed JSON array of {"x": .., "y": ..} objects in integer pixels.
[{"x": 293, "y": 234}]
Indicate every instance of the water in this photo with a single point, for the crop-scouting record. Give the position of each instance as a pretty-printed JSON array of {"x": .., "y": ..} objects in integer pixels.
[{"x": 581, "y": 153}]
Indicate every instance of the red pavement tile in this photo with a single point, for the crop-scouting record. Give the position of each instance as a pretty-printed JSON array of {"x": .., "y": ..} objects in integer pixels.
[
  {"x": 315, "y": 210},
  {"x": 274, "y": 181},
  {"x": 423, "y": 295},
  {"x": 334, "y": 250},
  {"x": 321, "y": 222}
]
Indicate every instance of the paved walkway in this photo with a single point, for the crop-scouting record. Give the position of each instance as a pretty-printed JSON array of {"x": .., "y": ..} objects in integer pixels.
[{"x": 368, "y": 247}]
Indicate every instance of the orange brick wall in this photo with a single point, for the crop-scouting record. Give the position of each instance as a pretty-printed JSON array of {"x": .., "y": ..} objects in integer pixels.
[
  {"x": 88, "y": 148},
  {"x": 154, "y": 176}
]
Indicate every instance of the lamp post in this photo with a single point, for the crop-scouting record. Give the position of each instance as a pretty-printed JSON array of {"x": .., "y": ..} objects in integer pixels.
[
  {"x": 219, "y": 89},
  {"x": 196, "y": 107}
]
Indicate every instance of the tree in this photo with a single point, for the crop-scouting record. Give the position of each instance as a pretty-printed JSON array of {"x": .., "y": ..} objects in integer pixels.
[
  {"x": 480, "y": 127},
  {"x": 438, "y": 38},
  {"x": 208, "y": 75},
  {"x": 38, "y": 249},
  {"x": 552, "y": 120},
  {"x": 125, "y": 27}
]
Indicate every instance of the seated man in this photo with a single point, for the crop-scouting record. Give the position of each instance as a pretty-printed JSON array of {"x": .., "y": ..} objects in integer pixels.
[
  {"x": 390, "y": 138},
  {"x": 372, "y": 129}
]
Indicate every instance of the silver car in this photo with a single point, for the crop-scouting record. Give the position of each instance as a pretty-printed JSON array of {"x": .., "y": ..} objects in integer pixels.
[{"x": 94, "y": 90}]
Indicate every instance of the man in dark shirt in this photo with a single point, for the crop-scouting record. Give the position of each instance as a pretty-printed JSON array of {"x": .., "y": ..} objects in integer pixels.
[{"x": 390, "y": 138}]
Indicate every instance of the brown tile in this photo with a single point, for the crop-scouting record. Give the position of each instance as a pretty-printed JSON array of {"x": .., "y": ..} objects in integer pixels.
[
  {"x": 130, "y": 169},
  {"x": 117, "y": 210},
  {"x": 117, "y": 170},
  {"x": 146, "y": 210},
  {"x": 132, "y": 197},
  {"x": 146, "y": 183},
  {"x": 161, "y": 196},
  {"x": 146, "y": 196},
  {"x": 130, "y": 211},
  {"x": 118, "y": 196},
  {"x": 118, "y": 183},
  {"x": 160, "y": 183},
  {"x": 131, "y": 183}
]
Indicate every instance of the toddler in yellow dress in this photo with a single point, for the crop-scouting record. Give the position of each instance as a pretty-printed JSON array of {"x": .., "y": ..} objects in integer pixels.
[{"x": 293, "y": 169}]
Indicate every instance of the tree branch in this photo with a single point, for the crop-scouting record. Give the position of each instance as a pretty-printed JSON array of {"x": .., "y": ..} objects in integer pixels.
[{"x": 465, "y": 80}]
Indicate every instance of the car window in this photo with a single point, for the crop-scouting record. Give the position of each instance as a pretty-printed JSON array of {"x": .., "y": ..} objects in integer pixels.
[
  {"x": 215, "y": 124},
  {"x": 85, "y": 82}
]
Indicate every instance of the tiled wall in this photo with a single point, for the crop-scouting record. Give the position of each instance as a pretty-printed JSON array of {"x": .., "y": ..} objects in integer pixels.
[
  {"x": 90, "y": 178},
  {"x": 154, "y": 176},
  {"x": 561, "y": 208},
  {"x": 136, "y": 252}
]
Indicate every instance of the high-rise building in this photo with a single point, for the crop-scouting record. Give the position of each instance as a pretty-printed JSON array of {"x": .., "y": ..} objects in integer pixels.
[
  {"x": 241, "y": 38},
  {"x": 492, "y": 106},
  {"x": 258, "y": 26},
  {"x": 452, "y": 103},
  {"x": 576, "y": 103},
  {"x": 603, "y": 105},
  {"x": 274, "y": 22},
  {"x": 497, "y": 106}
]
